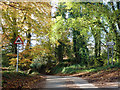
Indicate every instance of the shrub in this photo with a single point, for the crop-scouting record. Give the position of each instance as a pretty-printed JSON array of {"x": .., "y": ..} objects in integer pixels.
[{"x": 38, "y": 65}]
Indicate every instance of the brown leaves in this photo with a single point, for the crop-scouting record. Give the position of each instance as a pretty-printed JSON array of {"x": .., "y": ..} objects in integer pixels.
[
  {"x": 102, "y": 77},
  {"x": 18, "y": 81}
]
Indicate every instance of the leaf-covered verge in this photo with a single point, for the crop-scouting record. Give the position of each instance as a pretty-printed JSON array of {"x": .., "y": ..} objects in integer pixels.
[
  {"x": 106, "y": 78},
  {"x": 21, "y": 80}
]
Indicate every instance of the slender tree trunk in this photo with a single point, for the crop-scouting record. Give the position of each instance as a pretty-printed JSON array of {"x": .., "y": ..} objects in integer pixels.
[
  {"x": 96, "y": 47},
  {"x": 28, "y": 40},
  {"x": 60, "y": 51},
  {"x": 75, "y": 45},
  {"x": 15, "y": 33},
  {"x": 14, "y": 46},
  {"x": 99, "y": 43},
  {"x": 99, "y": 48}
]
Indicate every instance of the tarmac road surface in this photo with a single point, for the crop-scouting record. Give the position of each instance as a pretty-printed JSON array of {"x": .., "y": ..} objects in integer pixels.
[{"x": 67, "y": 83}]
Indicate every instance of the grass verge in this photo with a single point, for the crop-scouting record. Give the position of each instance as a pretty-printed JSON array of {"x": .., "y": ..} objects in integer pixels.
[{"x": 62, "y": 69}]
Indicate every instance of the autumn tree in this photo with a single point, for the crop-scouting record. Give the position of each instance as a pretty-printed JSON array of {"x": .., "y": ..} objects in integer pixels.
[{"x": 24, "y": 19}]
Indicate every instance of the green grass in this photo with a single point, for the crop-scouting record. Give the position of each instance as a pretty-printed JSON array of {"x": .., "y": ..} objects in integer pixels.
[{"x": 60, "y": 68}]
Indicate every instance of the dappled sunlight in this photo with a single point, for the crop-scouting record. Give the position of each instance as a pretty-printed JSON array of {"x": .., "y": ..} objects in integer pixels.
[
  {"x": 60, "y": 44},
  {"x": 67, "y": 81},
  {"x": 85, "y": 85}
]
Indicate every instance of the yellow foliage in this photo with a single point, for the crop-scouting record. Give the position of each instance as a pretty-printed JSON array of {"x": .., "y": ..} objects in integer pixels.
[
  {"x": 11, "y": 54},
  {"x": 22, "y": 62},
  {"x": 13, "y": 61}
]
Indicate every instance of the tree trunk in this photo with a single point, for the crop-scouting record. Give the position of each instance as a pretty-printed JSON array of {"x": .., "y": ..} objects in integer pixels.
[
  {"x": 60, "y": 51},
  {"x": 117, "y": 39},
  {"x": 75, "y": 47},
  {"x": 15, "y": 34},
  {"x": 96, "y": 47},
  {"x": 28, "y": 41}
]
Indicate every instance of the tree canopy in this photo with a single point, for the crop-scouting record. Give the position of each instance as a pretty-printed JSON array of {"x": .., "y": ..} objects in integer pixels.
[{"x": 77, "y": 32}]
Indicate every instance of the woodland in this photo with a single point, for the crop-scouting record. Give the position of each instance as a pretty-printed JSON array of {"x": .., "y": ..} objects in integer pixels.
[{"x": 70, "y": 39}]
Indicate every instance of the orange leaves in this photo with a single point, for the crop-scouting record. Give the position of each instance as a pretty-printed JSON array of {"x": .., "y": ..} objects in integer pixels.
[
  {"x": 25, "y": 58},
  {"x": 26, "y": 19},
  {"x": 12, "y": 55},
  {"x": 25, "y": 62}
]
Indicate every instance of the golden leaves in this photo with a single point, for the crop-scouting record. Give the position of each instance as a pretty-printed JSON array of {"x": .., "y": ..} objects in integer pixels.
[{"x": 11, "y": 54}]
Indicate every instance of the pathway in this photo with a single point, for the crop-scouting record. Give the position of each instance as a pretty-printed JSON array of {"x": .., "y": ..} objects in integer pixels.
[{"x": 67, "y": 82}]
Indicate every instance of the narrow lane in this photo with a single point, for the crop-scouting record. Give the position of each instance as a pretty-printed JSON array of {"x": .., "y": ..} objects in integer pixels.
[
  {"x": 55, "y": 82},
  {"x": 67, "y": 82}
]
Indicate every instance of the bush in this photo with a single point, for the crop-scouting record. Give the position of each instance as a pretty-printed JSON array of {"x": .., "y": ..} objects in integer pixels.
[
  {"x": 5, "y": 60},
  {"x": 10, "y": 74},
  {"x": 37, "y": 65}
]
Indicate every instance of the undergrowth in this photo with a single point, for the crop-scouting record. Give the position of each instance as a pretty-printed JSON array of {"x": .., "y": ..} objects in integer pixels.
[
  {"x": 76, "y": 68},
  {"x": 9, "y": 74}
]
